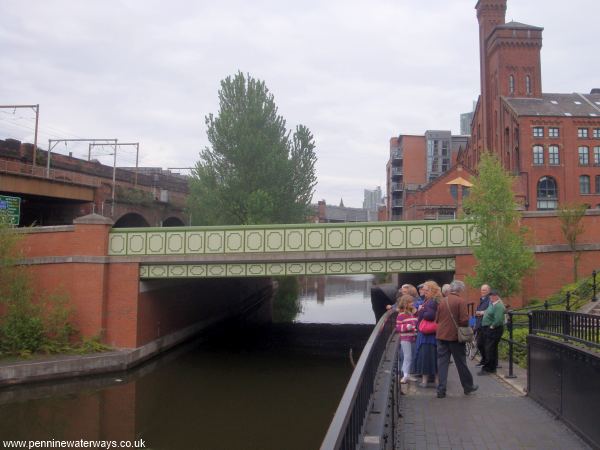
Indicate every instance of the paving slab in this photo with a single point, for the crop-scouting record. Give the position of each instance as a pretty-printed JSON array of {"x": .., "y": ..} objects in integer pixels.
[{"x": 497, "y": 416}]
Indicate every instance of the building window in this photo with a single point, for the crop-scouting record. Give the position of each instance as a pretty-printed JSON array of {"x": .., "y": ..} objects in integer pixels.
[
  {"x": 547, "y": 197},
  {"x": 582, "y": 132},
  {"x": 528, "y": 85},
  {"x": 538, "y": 131},
  {"x": 596, "y": 133},
  {"x": 538, "y": 155},
  {"x": 553, "y": 132},
  {"x": 553, "y": 158},
  {"x": 584, "y": 184},
  {"x": 584, "y": 158},
  {"x": 597, "y": 184},
  {"x": 597, "y": 156},
  {"x": 511, "y": 84}
]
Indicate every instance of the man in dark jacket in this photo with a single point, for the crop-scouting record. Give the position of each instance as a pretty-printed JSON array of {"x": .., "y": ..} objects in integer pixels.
[
  {"x": 451, "y": 314},
  {"x": 484, "y": 302}
]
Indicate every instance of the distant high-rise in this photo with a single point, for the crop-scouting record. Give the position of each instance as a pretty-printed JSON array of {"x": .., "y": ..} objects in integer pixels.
[
  {"x": 372, "y": 198},
  {"x": 465, "y": 123}
]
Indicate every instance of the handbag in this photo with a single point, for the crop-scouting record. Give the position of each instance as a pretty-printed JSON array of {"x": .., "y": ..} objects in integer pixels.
[
  {"x": 427, "y": 326},
  {"x": 465, "y": 334}
]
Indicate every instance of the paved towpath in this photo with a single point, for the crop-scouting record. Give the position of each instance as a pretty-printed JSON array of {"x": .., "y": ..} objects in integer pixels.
[{"x": 497, "y": 416}]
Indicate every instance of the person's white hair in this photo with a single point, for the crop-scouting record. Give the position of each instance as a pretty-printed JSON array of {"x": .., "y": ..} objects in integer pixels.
[
  {"x": 445, "y": 290},
  {"x": 457, "y": 286}
]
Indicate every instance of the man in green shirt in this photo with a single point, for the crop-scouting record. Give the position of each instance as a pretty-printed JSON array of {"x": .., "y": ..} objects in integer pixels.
[{"x": 492, "y": 327}]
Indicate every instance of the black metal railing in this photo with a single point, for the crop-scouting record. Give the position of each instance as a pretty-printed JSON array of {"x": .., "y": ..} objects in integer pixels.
[
  {"x": 569, "y": 326},
  {"x": 348, "y": 422},
  {"x": 510, "y": 325}
]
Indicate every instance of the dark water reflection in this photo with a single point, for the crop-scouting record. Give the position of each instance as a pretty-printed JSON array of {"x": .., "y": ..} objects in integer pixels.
[
  {"x": 240, "y": 393},
  {"x": 336, "y": 299}
]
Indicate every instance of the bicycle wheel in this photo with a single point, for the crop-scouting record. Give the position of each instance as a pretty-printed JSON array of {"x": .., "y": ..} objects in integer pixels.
[{"x": 472, "y": 350}]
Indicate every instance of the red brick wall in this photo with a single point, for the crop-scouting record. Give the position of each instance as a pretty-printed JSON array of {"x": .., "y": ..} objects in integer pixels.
[
  {"x": 92, "y": 240},
  {"x": 121, "y": 300},
  {"x": 553, "y": 269},
  {"x": 414, "y": 159},
  {"x": 84, "y": 286}
]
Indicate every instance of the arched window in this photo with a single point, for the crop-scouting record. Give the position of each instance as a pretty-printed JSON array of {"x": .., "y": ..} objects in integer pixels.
[
  {"x": 511, "y": 84},
  {"x": 528, "y": 85},
  {"x": 538, "y": 155},
  {"x": 584, "y": 184},
  {"x": 547, "y": 193}
]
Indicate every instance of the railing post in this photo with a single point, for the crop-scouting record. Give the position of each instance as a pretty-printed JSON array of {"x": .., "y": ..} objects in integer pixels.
[
  {"x": 566, "y": 325},
  {"x": 594, "y": 298},
  {"x": 569, "y": 301},
  {"x": 530, "y": 320},
  {"x": 510, "y": 346}
]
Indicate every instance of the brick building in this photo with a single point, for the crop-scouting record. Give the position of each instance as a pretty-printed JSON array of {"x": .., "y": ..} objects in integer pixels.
[
  {"x": 549, "y": 141},
  {"x": 415, "y": 161}
]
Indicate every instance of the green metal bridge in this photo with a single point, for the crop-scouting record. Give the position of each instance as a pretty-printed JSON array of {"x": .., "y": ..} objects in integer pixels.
[{"x": 302, "y": 249}]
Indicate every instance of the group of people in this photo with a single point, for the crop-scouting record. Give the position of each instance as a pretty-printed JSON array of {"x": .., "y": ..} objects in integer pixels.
[{"x": 428, "y": 323}]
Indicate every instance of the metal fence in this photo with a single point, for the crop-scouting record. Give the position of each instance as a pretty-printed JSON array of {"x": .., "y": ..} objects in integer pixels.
[
  {"x": 347, "y": 425},
  {"x": 569, "y": 326}
]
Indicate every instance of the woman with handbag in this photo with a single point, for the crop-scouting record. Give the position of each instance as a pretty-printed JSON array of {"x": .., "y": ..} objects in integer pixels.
[{"x": 426, "y": 357}]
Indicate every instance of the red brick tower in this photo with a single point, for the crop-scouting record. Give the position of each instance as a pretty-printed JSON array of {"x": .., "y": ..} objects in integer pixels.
[
  {"x": 511, "y": 68},
  {"x": 489, "y": 14}
]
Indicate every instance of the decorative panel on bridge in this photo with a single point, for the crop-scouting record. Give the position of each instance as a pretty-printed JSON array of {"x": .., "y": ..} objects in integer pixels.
[
  {"x": 148, "y": 271},
  {"x": 290, "y": 238}
]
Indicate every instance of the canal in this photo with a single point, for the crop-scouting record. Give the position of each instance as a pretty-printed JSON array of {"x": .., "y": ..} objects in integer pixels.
[{"x": 236, "y": 389}]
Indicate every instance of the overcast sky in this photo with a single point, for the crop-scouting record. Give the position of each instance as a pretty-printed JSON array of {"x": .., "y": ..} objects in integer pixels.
[{"x": 355, "y": 72}]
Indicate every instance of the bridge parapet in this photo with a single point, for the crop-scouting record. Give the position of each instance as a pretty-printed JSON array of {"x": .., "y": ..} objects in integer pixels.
[
  {"x": 266, "y": 250},
  {"x": 291, "y": 238}
]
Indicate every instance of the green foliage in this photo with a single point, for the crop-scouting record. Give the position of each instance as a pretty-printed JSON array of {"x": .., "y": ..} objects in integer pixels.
[
  {"x": 519, "y": 351},
  {"x": 254, "y": 171},
  {"x": 503, "y": 259},
  {"x": 285, "y": 304},
  {"x": 570, "y": 216},
  {"x": 133, "y": 196},
  {"x": 29, "y": 324},
  {"x": 92, "y": 345}
]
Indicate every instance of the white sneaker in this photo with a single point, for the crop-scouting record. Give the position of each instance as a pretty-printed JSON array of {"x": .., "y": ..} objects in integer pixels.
[{"x": 404, "y": 380}]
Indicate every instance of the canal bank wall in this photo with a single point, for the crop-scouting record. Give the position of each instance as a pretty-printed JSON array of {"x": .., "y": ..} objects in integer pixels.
[
  {"x": 54, "y": 367},
  {"x": 108, "y": 299}
]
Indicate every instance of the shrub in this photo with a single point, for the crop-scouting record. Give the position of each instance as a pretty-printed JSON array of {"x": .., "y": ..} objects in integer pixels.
[
  {"x": 286, "y": 304},
  {"x": 519, "y": 351}
]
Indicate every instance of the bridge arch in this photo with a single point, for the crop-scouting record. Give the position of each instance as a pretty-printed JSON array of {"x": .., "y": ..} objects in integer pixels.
[
  {"x": 173, "y": 222},
  {"x": 131, "y": 220}
]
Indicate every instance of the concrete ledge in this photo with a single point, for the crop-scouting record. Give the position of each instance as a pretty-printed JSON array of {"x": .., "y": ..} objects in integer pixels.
[
  {"x": 554, "y": 213},
  {"x": 67, "y": 366},
  {"x": 93, "y": 219},
  {"x": 53, "y": 229}
]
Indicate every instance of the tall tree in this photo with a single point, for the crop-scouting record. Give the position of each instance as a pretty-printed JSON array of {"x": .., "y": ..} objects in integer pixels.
[
  {"x": 253, "y": 171},
  {"x": 570, "y": 216},
  {"x": 503, "y": 258}
]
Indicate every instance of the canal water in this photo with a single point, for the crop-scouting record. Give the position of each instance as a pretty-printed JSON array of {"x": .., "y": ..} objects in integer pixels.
[{"x": 242, "y": 389}]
